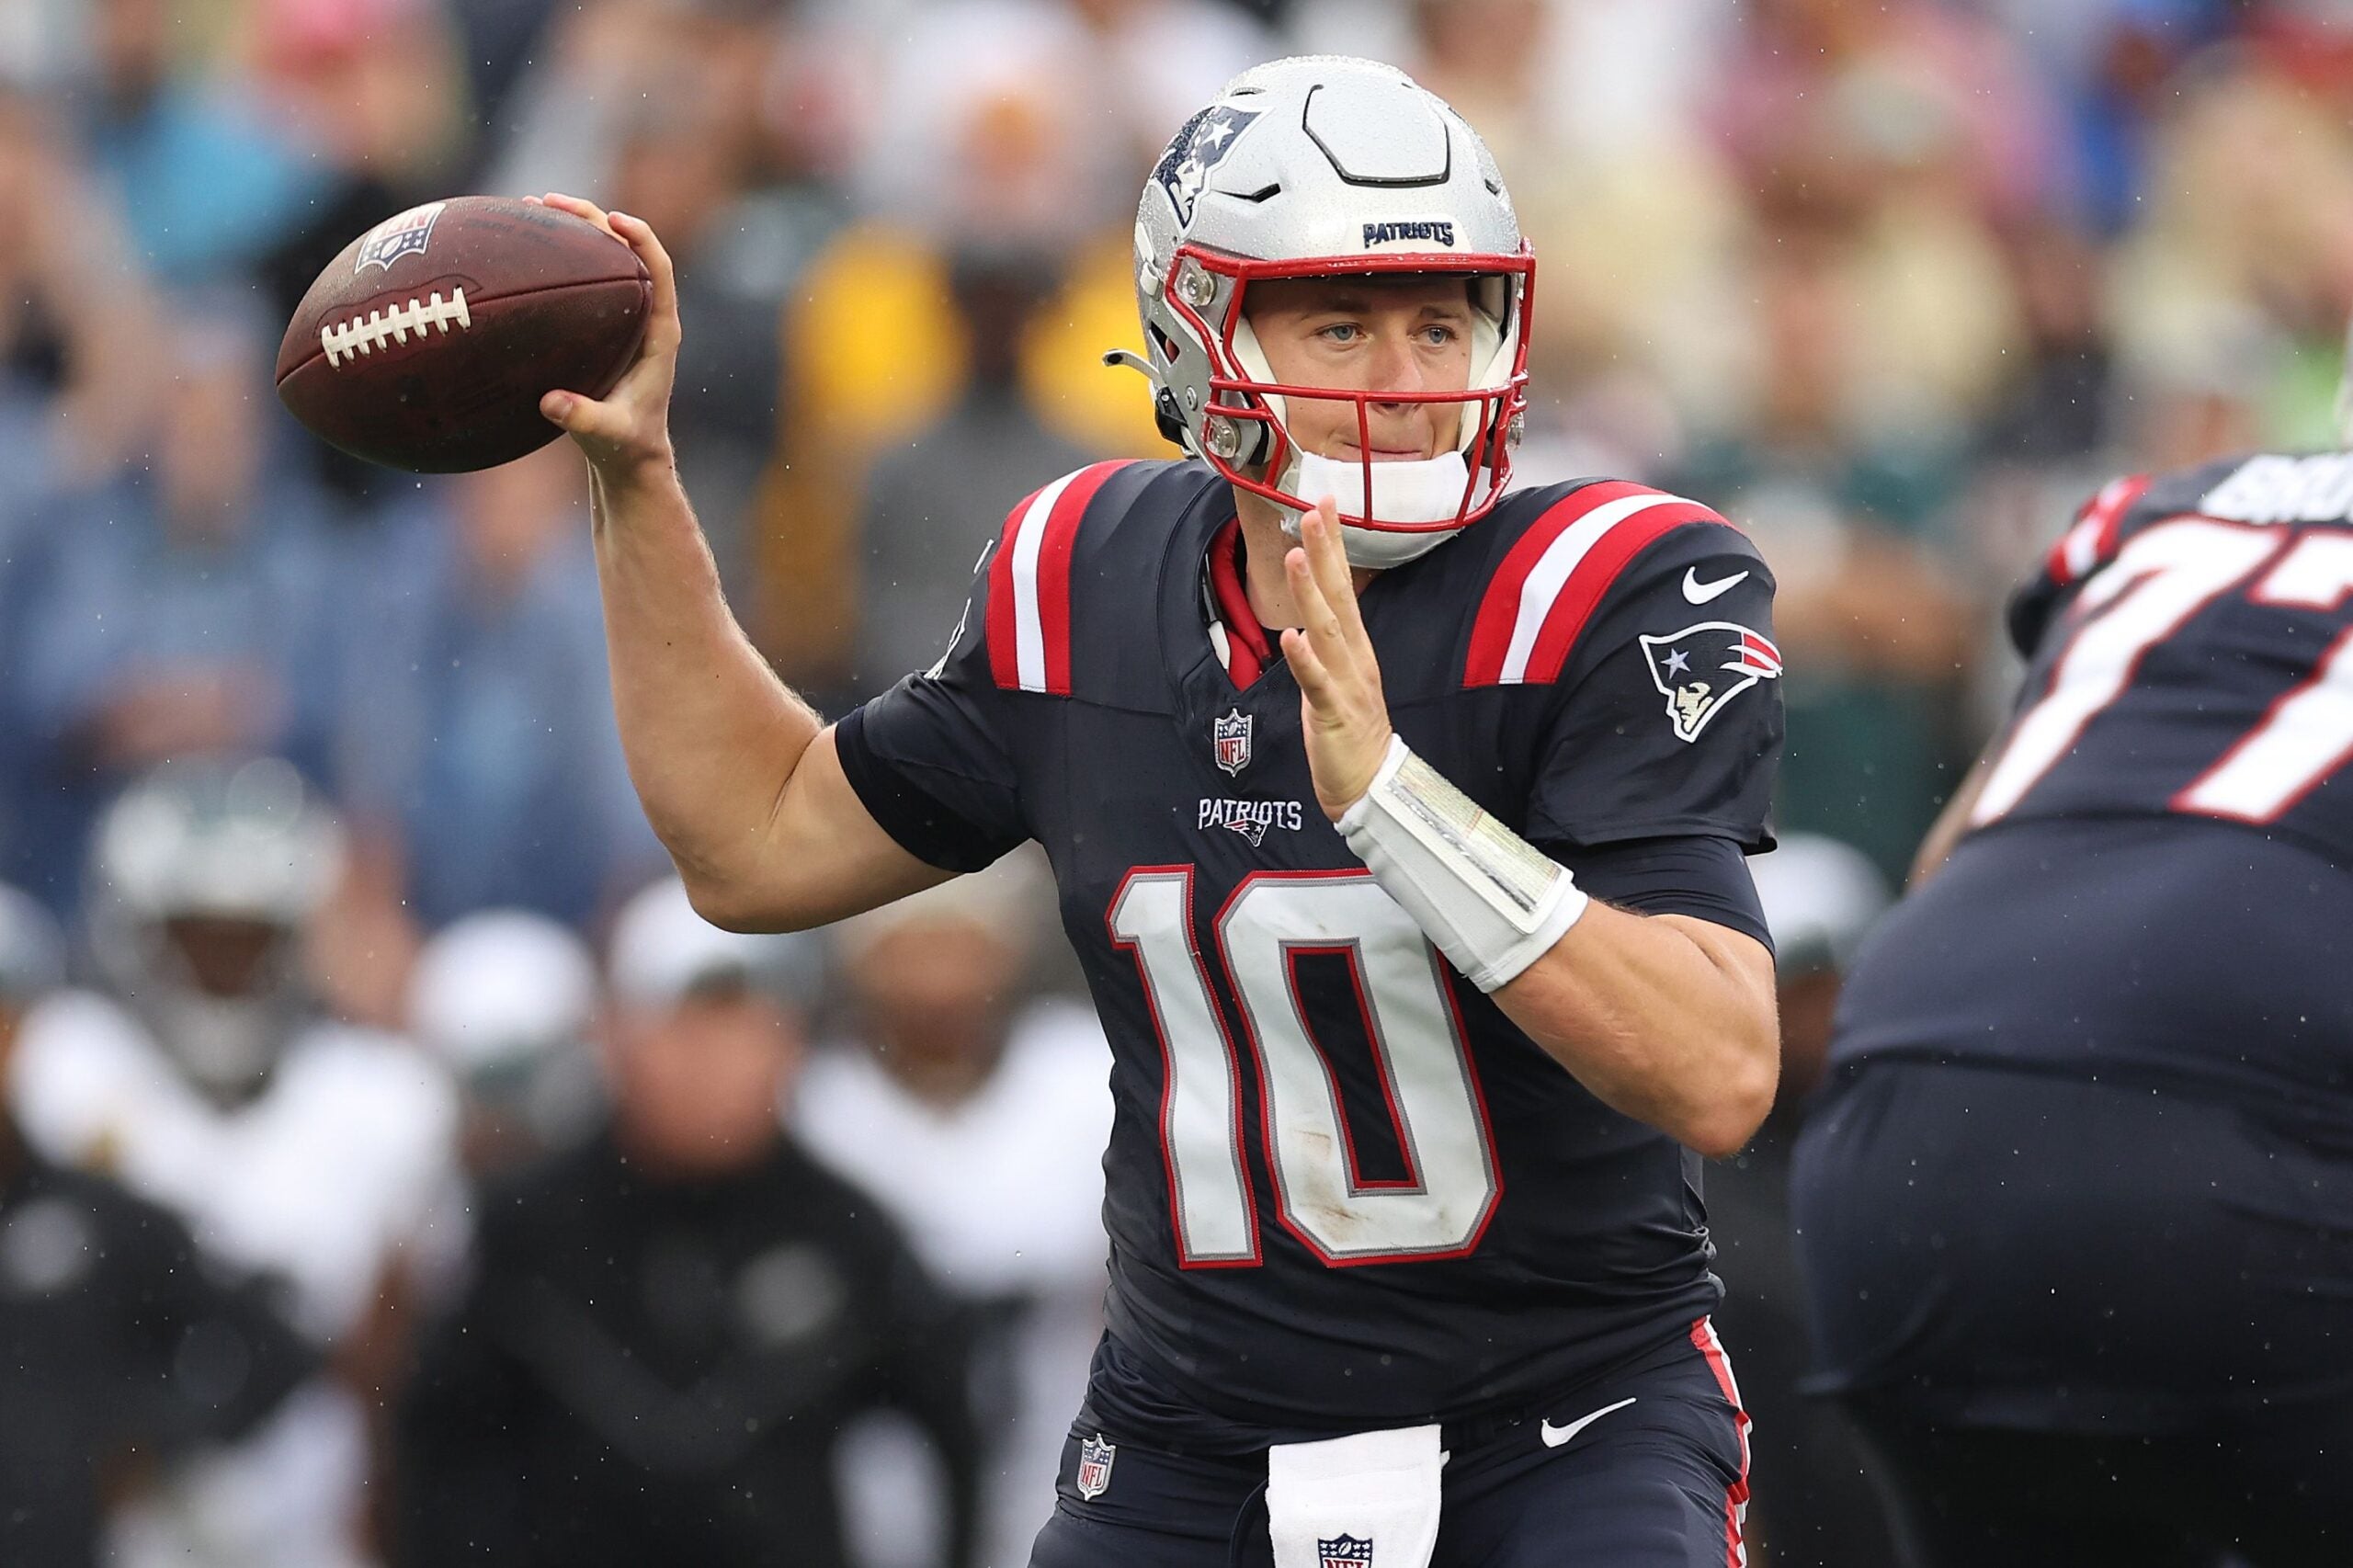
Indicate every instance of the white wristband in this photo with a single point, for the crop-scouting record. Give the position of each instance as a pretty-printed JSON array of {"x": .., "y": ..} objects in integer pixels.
[{"x": 1487, "y": 897}]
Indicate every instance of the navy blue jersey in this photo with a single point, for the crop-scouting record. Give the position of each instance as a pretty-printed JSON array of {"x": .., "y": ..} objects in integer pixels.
[
  {"x": 2157, "y": 866},
  {"x": 1343, "y": 1191}
]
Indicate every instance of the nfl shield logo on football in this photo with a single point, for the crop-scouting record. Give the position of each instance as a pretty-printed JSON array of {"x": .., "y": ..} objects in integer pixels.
[
  {"x": 1095, "y": 1457},
  {"x": 396, "y": 237},
  {"x": 1231, "y": 735},
  {"x": 1343, "y": 1551}
]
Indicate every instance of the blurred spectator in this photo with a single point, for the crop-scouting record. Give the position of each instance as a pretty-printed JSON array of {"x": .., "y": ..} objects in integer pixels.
[
  {"x": 114, "y": 1336},
  {"x": 683, "y": 167},
  {"x": 1021, "y": 117},
  {"x": 1836, "y": 101},
  {"x": 78, "y": 321},
  {"x": 186, "y": 610},
  {"x": 204, "y": 1080},
  {"x": 985, "y": 155},
  {"x": 2058, "y": 406},
  {"x": 477, "y": 751},
  {"x": 933, "y": 505},
  {"x": 669, "y": 1327},
  {"x": 1813, "y": 1508},
  {"x": 663, "y": 112},
  {"x": 1874, "y": 631},
  {"x": 506, "y": 1000},
  {"x": 979, "y": 1118},
  {"x": 2231, "y": 292},
  {"x": 207, "y": 182}
]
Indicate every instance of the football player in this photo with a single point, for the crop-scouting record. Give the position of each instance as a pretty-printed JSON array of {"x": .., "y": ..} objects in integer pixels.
[
  {"x": 1398, "y": 819},
  {"x": 2077, "y": 1206},
  {"x": 206, "y": 1079}
]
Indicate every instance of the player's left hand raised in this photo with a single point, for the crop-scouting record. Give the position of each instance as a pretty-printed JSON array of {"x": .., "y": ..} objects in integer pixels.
[{"x": 1343, "y": 713}]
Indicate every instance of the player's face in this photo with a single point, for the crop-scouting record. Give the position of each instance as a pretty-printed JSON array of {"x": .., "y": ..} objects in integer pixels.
[
  {"x": 1404, "y": 334},
  {"x": 225, "y": 957},
  {"x": 695, "y": 1084}
]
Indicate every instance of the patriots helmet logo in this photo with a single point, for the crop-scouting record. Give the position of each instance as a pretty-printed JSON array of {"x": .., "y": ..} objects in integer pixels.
[
  {"x": 1184, "y": 170},
  {"x": 1700, "y": 668},
  {"x": 1343, "y": 1551}
]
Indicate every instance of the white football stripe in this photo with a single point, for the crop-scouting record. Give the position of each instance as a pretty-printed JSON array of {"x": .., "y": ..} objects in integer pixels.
[
  {"x": 1551, "y": 571},
  {"x": 1028, "y": 629}
]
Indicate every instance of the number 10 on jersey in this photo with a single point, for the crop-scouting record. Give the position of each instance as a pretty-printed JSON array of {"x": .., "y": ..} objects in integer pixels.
[{"x": 1419, "y": 1055}]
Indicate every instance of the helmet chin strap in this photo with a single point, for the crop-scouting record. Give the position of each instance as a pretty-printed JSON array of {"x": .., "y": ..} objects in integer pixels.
[{"x": 1417, "y": 491}]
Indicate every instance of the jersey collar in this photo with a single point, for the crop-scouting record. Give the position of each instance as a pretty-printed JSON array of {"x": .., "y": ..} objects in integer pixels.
[{"x": 1234, "y": 630}]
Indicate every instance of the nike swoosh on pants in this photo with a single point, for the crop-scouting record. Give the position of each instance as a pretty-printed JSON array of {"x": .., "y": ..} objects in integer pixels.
[{"x": 1555, "y": 1436}]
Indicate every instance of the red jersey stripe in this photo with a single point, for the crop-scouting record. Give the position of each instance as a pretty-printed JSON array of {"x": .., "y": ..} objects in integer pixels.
[
  {"x": 1590, "y": 581},
  {"x": 2092, "y": 538},
  {"x": 1490, "y": 633},
  {"x": 1002, "y": 640},
  {"x": 1028, "y": 619},
  {"x": 1703, "y": 1335},
  {"x": 1053, "y": 569}
]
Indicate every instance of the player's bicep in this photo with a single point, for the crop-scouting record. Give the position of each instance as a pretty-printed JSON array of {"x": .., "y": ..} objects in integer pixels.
[{"x": 824, "y": 858}]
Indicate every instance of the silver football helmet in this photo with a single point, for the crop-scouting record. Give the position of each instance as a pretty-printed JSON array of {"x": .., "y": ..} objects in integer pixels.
[
  {"x": 204, "y": 881},
  {"x": 1319, "y": 166}
]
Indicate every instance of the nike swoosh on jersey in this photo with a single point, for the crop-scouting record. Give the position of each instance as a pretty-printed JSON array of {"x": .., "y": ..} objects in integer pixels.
[
  {"x": 1699, "y": 593},
  {"x": 1555, "y": 1436}
]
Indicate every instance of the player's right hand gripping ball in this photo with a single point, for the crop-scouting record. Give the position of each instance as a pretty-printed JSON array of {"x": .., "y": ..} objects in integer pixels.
[{"x": 428, "y": 342}]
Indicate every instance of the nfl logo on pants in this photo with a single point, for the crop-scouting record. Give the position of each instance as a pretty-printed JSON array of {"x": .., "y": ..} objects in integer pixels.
[
  {"x": 1341, "y": 1551},
  {"x": 1095, "y": 1457}
]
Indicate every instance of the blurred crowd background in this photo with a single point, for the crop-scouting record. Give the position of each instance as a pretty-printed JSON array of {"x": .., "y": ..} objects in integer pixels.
[{"x": 448, "y": 1213}]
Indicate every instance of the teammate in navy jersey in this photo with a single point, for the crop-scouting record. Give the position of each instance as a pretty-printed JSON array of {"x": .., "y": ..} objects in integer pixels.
[
  {"x": 1398, "y": 819},
  {"x": 2077, "y": 1209}
]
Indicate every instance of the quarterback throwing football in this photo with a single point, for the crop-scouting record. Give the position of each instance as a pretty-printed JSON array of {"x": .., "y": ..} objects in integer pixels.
[{"x": 1398, "y": 818}]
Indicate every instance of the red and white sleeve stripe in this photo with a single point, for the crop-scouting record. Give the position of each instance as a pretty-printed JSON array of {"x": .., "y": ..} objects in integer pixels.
[
  {"x": 2092, "y": 539},
  {"x": 1556, "y": 575},
  {"x": 1028, "y": 618}
]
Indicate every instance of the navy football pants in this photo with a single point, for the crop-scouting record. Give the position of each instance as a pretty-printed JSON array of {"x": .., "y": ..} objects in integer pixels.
[
  {"x": 2083, "y": 1324},
  {"x": 1659, "y": 1484}
]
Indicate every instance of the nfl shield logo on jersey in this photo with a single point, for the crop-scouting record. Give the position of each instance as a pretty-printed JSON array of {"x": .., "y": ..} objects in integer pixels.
[
  {"x": 1341, "y": 1551},
  {"x": 1095, "y": 1457},
  {"x": 1700, "y": 668},
  {"x": 396, "y": 237},
  {"x": 1231, "y": 736}
]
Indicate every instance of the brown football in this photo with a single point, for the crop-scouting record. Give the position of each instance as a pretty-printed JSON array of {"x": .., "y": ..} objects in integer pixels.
[{"x": 428, "y": 342}]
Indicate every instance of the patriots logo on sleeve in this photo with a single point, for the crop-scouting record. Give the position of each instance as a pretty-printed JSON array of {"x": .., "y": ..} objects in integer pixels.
[{"x": 1700, "y": 668}]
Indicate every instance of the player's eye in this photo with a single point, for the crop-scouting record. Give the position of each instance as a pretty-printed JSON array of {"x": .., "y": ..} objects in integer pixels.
[
  {"x": 1341, "y": 332},
  {"x": 1437, "y": 334}
]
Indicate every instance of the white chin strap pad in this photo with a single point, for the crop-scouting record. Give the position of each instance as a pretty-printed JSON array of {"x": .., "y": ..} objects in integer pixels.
[
  {"x": 1429, "y": 490},
  {"x": 1377, "y": 1487}
]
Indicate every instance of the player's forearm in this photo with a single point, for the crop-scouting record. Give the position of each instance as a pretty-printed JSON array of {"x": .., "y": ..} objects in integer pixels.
[
  {"x": 711, "y": 735},
  {"x": 1664, "y": 1018}
]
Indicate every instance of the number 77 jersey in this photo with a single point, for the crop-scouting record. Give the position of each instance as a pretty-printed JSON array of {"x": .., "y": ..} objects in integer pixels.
[
  {"x": 1344, "y": 1191},
  {"x": 2153, "y": 887},
  {"x": 2191, "y": 651}
]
